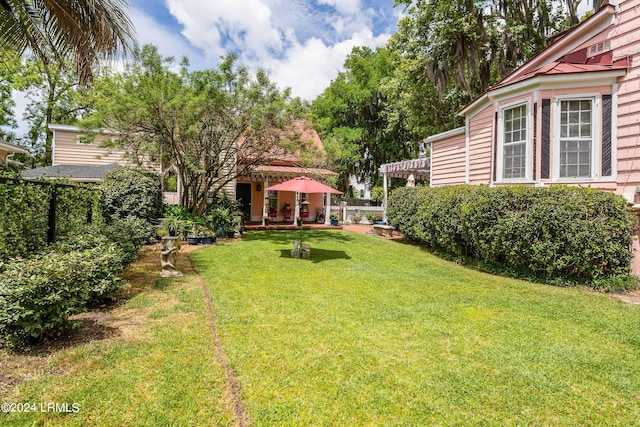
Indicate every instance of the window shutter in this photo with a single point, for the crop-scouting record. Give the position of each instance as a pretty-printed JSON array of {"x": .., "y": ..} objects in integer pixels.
[
  {"x": 535, "y": 140},
  {"x": 545, "y": 139},
  {"x": 606, "y": 135},
  {"x": 495, "y": 146}
]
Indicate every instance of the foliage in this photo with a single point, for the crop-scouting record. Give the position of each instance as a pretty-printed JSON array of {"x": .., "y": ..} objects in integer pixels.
[
  {"x": 75, "y": 207},
  {"x": 131, "y": 193},
  {"x": 38, "y": 295},
  {"x": 377, "y": 194},
  {"x": 373, "y": 217},
  {"x": 560, "y": 234},
  {"x": 53, "y": 96},
  {"x": 351, "y": 117},
  {"x": 205, "y": 123},
  {"x": 88, "y": 31},
  {"x": 162, "y": 344},
  {"x": 23, "y": 218},
  {"x": 356, "y": 218},
  {"x": 10, "y": 66}
]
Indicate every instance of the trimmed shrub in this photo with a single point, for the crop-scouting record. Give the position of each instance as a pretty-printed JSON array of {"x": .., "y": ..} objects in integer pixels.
[
  {"x": 38, "y": 295},
  {"x": 23, "y": 218},
  {"x": 131, "y": 193},
  {"x": 75, "y": 207},
  {"x": 560, "y": 234}
]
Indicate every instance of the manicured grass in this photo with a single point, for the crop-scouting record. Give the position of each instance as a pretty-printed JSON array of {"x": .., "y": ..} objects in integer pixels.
[
  {"x": 158, "y": 367},
  {"x": 371, "y": 331}
]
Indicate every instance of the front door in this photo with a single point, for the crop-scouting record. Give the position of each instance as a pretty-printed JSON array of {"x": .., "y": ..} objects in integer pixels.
[{"x": 243, "y": 195}]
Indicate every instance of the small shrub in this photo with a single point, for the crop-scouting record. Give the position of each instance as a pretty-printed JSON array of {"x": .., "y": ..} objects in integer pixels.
[
  {"x": 356, "y": 219},
  {"x": 372, "y": 217},
  {"x": 38, "y": 295}
]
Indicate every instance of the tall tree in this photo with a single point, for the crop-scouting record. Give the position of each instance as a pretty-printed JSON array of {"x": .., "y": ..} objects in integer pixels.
[
  {"x": 87, "y": 30},
  {"x": 451, "y": 52},
  {"x": 12, "y": 67},
  {"x": 351, "y": 115},
  {"x": 205, "y": 123},
  {"x": 54, "y": 96}
]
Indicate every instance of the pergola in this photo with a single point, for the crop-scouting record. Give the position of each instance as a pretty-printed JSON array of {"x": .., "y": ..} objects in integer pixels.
[{"x": 411, "y": 170}]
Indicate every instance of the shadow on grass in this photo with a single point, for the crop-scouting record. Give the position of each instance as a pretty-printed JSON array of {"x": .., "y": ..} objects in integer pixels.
[
  {"x": 288, "y": 236},
  {"x": 317, "y": 255}
]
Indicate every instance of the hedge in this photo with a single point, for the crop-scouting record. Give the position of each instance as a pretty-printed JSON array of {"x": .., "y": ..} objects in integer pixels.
[
  {"x": 38, "y": 295},
  {"x": 559, "y": 234},
  {"x": 23, "y": 218}
]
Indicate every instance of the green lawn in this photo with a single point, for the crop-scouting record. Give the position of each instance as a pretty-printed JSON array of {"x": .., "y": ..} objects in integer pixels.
[
  {"x": 373, "y": 331},
  {"x": 367, "y": 332}
]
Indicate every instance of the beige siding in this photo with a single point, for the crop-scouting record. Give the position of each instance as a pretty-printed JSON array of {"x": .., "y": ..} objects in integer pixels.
[
  {"x": 68, "y": 151},
  {"x": 448, "y": 161},
  {"x": 481, "y": 147}
]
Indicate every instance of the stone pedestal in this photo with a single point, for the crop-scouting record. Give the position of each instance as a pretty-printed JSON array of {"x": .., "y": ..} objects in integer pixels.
[
  {"x": 169, "y": 256},
  {"x": 300, "y": 250}
]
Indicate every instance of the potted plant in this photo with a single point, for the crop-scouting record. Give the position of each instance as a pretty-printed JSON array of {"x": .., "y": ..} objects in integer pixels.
[
  {"x": 194, "y": 234},
  {"x": 173, "y": 225},
  {"x": 333, "y": 218},
  {"x": 208, "y": 236}
]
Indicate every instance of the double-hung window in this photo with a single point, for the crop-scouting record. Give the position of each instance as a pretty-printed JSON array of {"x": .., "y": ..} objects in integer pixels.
[
  {"x": 514, "y": 142},
  {"x": 576, "y": 143}
]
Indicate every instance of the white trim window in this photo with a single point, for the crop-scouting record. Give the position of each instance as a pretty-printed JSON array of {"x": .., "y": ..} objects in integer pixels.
[
  {"x": 513, "y": 154},
  {"x": 576, "y": 146}
]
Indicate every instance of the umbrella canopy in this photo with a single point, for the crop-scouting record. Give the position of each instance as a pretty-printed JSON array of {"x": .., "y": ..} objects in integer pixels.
[{"x": 303, "y": 184}]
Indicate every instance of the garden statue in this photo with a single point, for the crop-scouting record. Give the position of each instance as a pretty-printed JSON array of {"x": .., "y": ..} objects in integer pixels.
[{"x": 169, "y": 256}]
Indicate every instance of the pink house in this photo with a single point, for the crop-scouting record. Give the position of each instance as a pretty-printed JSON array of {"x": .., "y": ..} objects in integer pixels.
[{"x": 570, "y": 115}]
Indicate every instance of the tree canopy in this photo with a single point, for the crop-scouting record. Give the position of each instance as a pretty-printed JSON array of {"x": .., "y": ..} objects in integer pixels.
[
  {"x": 352, "y": 117},
  {"x": 85, "y": 30},
  {"x": 211, "y": 125}
]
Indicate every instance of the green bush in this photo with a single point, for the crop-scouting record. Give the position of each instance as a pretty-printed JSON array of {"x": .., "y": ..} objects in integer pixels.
[
  {"x": 561, "y": 234},
  {"x": 23, "y": 218},
  {"x": 38, "y": 295},
  {"x": 75, "y": 207},
  {"x": 131, "y": 193}
]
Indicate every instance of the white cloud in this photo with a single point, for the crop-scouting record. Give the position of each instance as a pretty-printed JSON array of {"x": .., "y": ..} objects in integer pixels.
[
  {"x": 350, "y": 7},
  {"x": 300, "y": 45},
  {"x": 168, "y": 41},
  {"x": 212, "y": 26},
  {"x": 309, "y": 67}
]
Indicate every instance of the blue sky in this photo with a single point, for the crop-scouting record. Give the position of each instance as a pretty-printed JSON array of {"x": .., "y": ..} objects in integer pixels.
[{"x": 302, "y": 44}]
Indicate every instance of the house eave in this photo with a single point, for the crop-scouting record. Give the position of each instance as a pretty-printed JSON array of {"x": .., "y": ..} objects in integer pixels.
[
  {"x": 444, "y": 135},
  {"x": 557, "y": 81}
]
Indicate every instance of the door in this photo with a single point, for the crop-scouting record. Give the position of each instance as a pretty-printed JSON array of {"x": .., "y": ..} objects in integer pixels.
[{"x": 243, "y": 196}]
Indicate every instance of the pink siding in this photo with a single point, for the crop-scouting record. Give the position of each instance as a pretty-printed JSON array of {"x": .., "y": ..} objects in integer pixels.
[
  {"x": 68, "y": 151},
  {"x": 448, "y": 161},
  {"x": 625, "y": 36},
  {"x": 481, "y": 146}
]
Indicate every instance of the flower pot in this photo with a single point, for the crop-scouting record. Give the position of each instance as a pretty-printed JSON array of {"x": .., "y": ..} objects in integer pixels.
[
  {"x": 334, "y": 222},
  {"x": 207, "y": 240},
  {"x": 194, "y": 240}
]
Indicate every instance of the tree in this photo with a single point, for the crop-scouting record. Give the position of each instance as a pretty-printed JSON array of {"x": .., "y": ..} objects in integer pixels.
[
  {"x": 451, "y": 52},
  {"x": 11, "y": 67},
  {"x": 212, "y": 125},
  {"x": 351, "y": 116},
  {"x": 54, "y": 97},
  {"x": 88, "y": 30}
]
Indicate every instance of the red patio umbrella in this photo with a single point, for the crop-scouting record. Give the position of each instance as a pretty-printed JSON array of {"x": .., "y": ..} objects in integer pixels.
[{"x": 303, "y": 184}]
